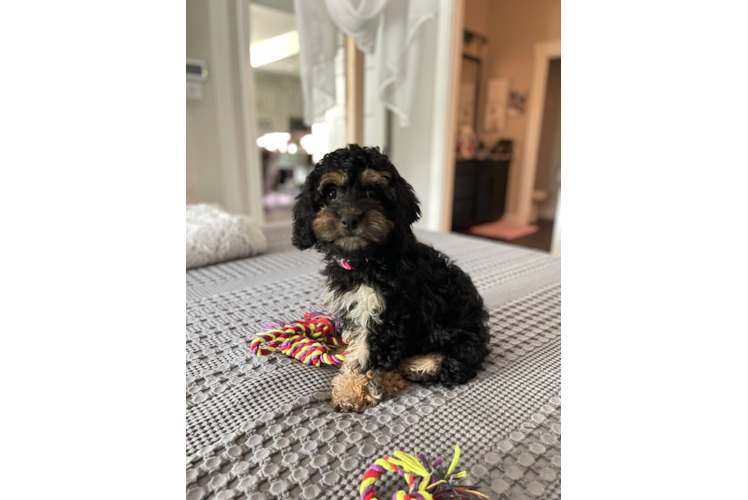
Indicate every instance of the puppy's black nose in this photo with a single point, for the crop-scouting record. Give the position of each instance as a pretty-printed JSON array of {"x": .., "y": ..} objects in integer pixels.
[{"x": 350, "y": 221}]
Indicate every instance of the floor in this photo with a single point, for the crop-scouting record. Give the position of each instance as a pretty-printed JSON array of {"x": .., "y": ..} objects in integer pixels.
[
  {"x": 281, "y": 214},
  {"x": 540, "y": 240}
]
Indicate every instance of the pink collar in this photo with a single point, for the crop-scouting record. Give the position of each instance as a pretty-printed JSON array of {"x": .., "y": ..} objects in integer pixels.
[{"x": 346, "y": 264}]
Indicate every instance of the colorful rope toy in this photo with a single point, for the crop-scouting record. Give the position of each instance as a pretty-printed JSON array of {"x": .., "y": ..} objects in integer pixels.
[
  {"x": 307, "y": 340},
  {"x": 424, "y": 481}
]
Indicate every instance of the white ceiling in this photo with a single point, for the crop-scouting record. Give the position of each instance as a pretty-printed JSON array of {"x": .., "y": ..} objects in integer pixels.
[{"x": 266, "y": 22}]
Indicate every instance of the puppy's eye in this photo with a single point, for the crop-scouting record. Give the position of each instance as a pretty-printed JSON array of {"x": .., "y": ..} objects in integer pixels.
[
  {"x": 373, "y": 194},
  {"x": 332, "y": 194}
]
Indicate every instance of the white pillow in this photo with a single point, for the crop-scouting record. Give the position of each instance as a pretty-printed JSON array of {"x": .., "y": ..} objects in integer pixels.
[{"x": 215, "y": 236}]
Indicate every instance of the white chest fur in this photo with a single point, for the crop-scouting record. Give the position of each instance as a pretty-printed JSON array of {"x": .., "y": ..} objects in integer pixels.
[{"x": 360, "y": 307}]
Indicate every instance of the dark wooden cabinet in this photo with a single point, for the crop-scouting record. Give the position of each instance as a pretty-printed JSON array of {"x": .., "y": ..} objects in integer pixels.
[{"x": 480, "y": 192}]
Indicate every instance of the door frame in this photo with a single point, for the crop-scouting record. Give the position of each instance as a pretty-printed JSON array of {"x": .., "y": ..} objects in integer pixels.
[
  {"x": 544, "y": 53},
  {"x": 451, "y": 21}
]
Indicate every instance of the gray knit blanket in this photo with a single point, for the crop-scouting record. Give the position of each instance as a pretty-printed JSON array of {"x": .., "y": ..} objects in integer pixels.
[{"x": 262, "y": 427}]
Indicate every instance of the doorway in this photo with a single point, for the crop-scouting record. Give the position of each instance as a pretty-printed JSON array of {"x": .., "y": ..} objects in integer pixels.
[
  {"x": 281, "y": 133},
  {"x": 547, "y": 183}
]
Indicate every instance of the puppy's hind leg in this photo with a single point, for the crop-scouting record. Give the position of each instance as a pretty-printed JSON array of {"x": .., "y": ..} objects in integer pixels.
[
  {"x": 384, "y": 385},
  {"x": 422, "y": 367}
]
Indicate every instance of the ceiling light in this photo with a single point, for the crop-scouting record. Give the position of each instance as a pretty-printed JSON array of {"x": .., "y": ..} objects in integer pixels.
[
  {"x": 309, "y": 144},
  {"x": 274, "y": 141}
]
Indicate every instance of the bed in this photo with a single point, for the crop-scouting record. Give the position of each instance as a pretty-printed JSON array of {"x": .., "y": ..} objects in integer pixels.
[{"x": 262, "y": 427}]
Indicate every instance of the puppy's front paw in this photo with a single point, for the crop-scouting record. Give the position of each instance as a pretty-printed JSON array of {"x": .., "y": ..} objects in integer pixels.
[{"x": 349, "y": 393}]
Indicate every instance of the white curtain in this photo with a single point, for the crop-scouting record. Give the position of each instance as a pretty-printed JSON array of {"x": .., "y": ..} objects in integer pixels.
[
  {"x": 317, "y": 47},
  {"x": 387, "y": 29}
]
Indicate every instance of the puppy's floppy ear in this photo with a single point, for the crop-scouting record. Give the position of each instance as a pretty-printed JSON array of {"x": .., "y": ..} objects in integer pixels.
[
  {"x": 303, "y": 214},
  {"x": 406, "y": 200}
]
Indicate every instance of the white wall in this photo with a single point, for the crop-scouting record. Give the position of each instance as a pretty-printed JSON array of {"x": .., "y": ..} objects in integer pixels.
[
  {"x": 335, "y": 116},
  {"x": 411, "y": 146},
  {"x": 203, "y": 184},
  {"x": 423, "y": 152},
  {"x": 375, "y": 114},
  {"x": 222, "y": 158}
]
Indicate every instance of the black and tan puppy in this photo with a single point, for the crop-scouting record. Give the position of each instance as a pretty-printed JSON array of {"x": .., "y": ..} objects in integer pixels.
[{"x": 410, "y": 313}]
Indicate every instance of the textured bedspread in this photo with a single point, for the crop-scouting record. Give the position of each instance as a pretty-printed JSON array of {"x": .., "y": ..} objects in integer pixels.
[{"x": 263, "y": 427}]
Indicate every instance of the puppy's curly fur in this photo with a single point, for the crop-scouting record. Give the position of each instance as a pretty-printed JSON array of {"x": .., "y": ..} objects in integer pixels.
[{"x": 411, "y": 313}]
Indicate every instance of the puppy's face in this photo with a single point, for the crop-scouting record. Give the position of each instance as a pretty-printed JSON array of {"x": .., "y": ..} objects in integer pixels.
[
  {"x": 352, "y": 215},
  {"x": 352, "y": 203}
]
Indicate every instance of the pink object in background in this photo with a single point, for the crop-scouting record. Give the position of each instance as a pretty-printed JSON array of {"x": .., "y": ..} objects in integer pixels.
[
  {"x": 502, "y": 230},
  {"x": 275, "y": 199}
]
